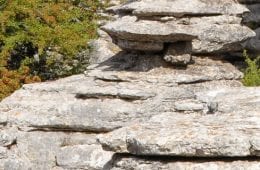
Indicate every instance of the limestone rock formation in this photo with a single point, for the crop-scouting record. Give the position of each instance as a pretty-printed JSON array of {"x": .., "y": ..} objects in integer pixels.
[
  {"x": 210, "y": 26},
  {"x": 137, "y": 111}
]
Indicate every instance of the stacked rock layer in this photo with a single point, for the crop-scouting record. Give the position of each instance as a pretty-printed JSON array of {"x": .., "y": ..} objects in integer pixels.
[
  {"x": 133, "y": 111},
  {"x": 194, "y": 27}
]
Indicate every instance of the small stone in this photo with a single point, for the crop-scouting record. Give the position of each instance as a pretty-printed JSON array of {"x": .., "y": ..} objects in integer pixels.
[{"x": 179, "y": 53}]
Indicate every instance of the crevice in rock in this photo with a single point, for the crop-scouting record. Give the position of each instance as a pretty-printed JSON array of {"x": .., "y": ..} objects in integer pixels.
[
  {"x": 253, "y": 150},
  {"x": 111, "y": 80},
  {"x": 128, "y": 98},
  {"x": 189, "y": 159},
  {"x": 176, "y": 17},
  {"x": 68, "y": 130},
  {"x": 193, "y": 82},
  {"x": 12, "y": 144},
  {"x": 171, "y": 159}
]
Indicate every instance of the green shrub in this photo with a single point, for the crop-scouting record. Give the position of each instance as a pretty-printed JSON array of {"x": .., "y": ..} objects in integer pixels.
[
  {"x": 44, "y": 37},
  {"x": 252, "y": 72}
]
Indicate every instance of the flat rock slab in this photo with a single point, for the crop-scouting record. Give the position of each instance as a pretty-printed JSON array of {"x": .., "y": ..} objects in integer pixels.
[
  {"x": 129, "y": 28},
  {"x": 208, "y": 34},
  {"x": 231, "y": 133},
  {"x": 130, "y": 163},
  {"x": 180, "y": 8},
  {"x": 104, "y": 100},
  {"x": 172, "y": 134}
]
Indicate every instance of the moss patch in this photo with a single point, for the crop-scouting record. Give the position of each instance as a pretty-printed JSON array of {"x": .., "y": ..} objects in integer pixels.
[{"x": 252, "y": 72}]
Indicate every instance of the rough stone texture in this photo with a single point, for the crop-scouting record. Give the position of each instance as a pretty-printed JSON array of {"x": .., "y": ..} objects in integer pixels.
[
  {"x": 130, "y": 163},
  {"x": 42, "y": 150},
  {"x": 133, "y": 110},
  {"x": 210, "y": 37},
  {"x": 212, "y": 26},
  {"x": 89, "y": 157},
  {"x": 129, "y": 28},
  {"x": 101, "y": 103},
  {"x": 140, "y": 93},
  {"x": 179, "y": 8},
  {"x": 174, "y": 134}
]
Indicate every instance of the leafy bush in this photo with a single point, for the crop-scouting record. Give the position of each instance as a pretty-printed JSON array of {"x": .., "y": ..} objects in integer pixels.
[
  {"x": 252, "y": 72},
  {"x": 43, "y": 39}
]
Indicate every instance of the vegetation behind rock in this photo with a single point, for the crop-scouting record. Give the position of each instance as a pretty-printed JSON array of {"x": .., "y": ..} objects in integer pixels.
[
  {"x": 252, "y": 72},
  {"x": 42, "y": 40}
]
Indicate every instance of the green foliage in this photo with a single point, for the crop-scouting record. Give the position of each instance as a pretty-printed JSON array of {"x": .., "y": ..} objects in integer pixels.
[
  {"x": 44, "y": 36},
  {"x": 252, "y": 72}
]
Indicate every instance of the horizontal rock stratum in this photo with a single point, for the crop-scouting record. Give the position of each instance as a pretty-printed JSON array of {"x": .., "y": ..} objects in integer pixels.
[
  {"x": 180, "y": 8},
  {"x": 135, "y": 111},
  {"x": 212, "y": 26}
]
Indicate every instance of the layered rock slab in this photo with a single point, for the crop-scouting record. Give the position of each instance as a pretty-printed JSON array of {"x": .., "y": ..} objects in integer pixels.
[
  {"x": 207, "y": 37},
  {"x": 173, "y": 134},
  {"x": 130, "y": 163},
  {"x": 110, "y": 96},
  {"x": 212, "y": 26},
  {"x": 180, "y": 8},
  {"x": 105, "y": 100},
  {"x": 139, "y": 93}
]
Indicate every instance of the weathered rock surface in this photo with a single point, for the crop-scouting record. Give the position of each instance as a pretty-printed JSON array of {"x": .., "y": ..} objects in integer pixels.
[
  {"x": 129, "y": 28},
  {"x": 180, "y": 8},
  {"x": 211, "y": 26},
  {"x": 208, "y": 37},
  {"x": 107, "y": 100},
  {"x": 175, "y": 134},
  {"x": 134, "y": 110},
  {"x": 130, "y": 163},
  {"x": 148, "y": 107},
  {"x": 90, "y": 157}
]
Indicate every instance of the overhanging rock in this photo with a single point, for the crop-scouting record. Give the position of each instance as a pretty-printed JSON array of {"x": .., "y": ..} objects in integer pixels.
[{"x": 211, "y": 26}]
